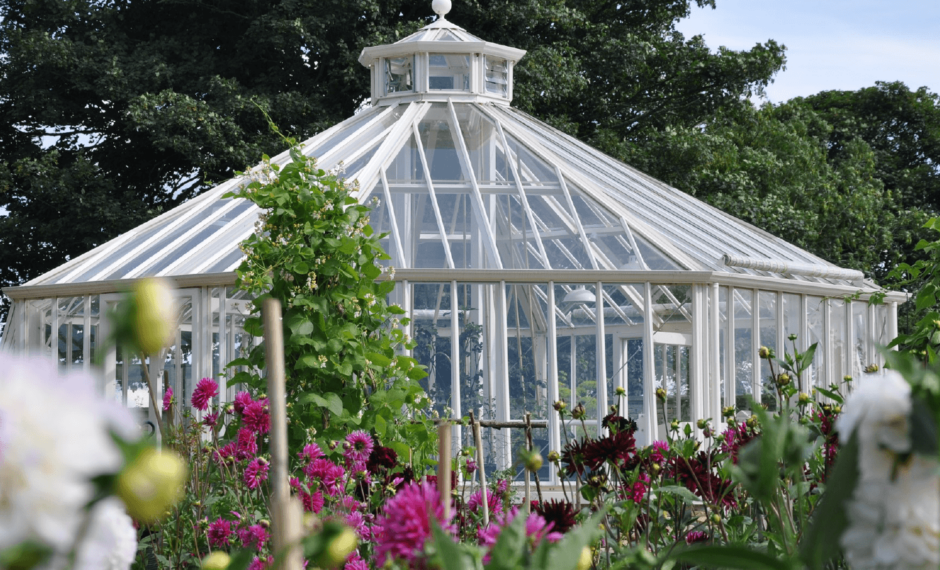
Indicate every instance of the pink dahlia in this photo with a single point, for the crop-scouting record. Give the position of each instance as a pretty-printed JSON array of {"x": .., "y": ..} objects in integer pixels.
[
  {"x": 242, "y": 399},
  {"x": 254, "y": 535},
  {"x": 256, "y": 472},
  {"x": 324, "y": 471},
  {"x": 220, "y": 533},
  {"x": 357, "y": 522},
  {"x": 696, "y": 536},
  {"x": 206, "y": 389},
  {"x": 660, "y": 450},
  {"x": 406, "y": 523},
  {"x": 310, "y": 452},
  {"x": 638, "y": 491},
  {"x": 247, "y": 444},
  {"x": 536, "y": 529},
  {"x": 359, "y": 447},
  {"x": 211, "y": 419},
  {"x": 167, "y": 398},
  {"x": 226, "y": 451},
  {"x": 313, "y": 502},
  {"x": 355, "y": 562},
  {"x": 258, "y": 564},
  {"x": 493, "y": 501},
  {"x": 256, "y": 418}
]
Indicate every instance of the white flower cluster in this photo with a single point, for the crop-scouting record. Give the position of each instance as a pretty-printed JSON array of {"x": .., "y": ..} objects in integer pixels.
[
  {"x": 54, "y": 437},
  {"x": 894, "y": 514}
]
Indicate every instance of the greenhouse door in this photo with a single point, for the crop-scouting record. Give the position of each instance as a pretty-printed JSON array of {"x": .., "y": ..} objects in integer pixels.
[{"x": 672, "y": 365}]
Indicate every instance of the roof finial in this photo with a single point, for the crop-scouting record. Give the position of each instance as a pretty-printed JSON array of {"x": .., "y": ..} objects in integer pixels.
[{"x": 441, "y": 7}]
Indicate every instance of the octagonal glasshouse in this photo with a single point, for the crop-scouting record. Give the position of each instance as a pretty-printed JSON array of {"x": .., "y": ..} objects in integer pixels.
[{"x": 534, "y": 267}]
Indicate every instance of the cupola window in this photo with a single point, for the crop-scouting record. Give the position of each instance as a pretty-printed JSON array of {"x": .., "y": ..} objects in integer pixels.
[
  {"x": 497, "y": 76},
  {"x": 399, "y": 74},
  {"x": 449, "y": 72}
]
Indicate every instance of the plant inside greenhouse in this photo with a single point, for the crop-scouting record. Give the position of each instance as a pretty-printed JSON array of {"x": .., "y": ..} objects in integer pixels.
[{"x": 445, "y": 334}]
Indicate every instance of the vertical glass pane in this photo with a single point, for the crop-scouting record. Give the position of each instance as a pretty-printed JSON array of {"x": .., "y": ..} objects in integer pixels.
[
  {"x": 138, "y": 393},
  {"x": 792, "y": 311},
  {"x": 95, "y": 316},
  {"x": 497, "y": 76},
  {"x": 768, "y": 337},
  {"x": 449, "y": 72},
  {"x": 743, "y": 351},
  {"x": 682, "y": 378},
  {"x": 515, "y": 237},
  {"x": 860, "y": 327},
  {"x": 399, "y": 74},
  {"x": 431, "y": 314},
  {"x": 119, "y": 375},
  {"x": 634, "y": 374},
  {"x": 185, "y": 369},
  {"x": 724, "y": 309},
  {"x": 837, "y": 341},
  {"x": 882, "y": 337},
  {"x": 577, "y": 351},
  {"x": 440, "y": 147},
  {"x": 814, "y": 318}
]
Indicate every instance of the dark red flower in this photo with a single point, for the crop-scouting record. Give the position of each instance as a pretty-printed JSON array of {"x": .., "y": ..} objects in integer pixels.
[
  {"x": 616, "y": 423},
  {"x": 618, "y": 448},
  {"x": 381, "y": 457},
  {"x": 559, "y": 513},
  {"x": 697, "y": 475},
  {"x": 572, "y": 456},
  {"x": 735, "y": 439}
]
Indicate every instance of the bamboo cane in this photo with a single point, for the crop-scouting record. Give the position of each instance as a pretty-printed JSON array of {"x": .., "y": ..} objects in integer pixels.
[
  {"x": 443, "y": 466},
  {"x": 478, "y": 442},
  {"x": 286, "y": 513}
]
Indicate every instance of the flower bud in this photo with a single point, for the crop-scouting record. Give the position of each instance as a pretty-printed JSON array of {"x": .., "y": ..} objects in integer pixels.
[
  {"x": 578, "y": 412},
  {"x": 656, "y": 468},
  {"x": 338, "y": 549},
  {"x": 804, "y": 398},
  {"x": 586, "y": 559},
  {"x": 847, "y": 378},
  {"x": 150, "y": 484},
  {"x": 216, "y": 560},
  {"x": 716, "y": 518},
  {"x": 533, "y": 461},
  {"x": 792, "y": 337},
  {"x": 661, "y": 394},
  {"x": 553, "y": 456},
  {"x": 674, "y": 425},
  {"x": 620, "y": 391},
  {"x": 559, "y": 405},
  {"x": 702, "y": 423},
  {"x": 783, "y": 379},
  {"x": 154, "y": 319},
  {"x": 871, "y": 368},
  {"x": 837, "y": 409},
  {"x": 728, "y": 412},
  {"x": 763, "y": 352},
  {"x": 752, "y": 422}
]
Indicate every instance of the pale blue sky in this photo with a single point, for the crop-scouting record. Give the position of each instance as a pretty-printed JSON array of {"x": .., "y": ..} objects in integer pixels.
[{"x": 831, "y": 44}]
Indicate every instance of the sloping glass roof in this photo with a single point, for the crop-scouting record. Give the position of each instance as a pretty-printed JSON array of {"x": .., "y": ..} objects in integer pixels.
[{"x": 465, "y": 182}]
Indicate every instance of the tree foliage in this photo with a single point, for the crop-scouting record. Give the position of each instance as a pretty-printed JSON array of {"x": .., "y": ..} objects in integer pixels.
[{"x": 113, "y": 112}]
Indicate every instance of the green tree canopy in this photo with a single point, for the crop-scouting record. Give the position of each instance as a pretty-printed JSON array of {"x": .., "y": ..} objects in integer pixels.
[{"x": 113, "y": 112}]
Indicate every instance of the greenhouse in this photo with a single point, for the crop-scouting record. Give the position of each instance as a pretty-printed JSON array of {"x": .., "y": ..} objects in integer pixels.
[{"x": 534, "y": 267}]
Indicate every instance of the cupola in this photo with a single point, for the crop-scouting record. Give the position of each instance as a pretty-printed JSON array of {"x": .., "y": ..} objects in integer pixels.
[{"x": 441, "y": 62}]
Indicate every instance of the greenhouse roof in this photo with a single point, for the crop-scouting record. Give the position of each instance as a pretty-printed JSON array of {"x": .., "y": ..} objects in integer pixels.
[{"x": 460, "y": 180}]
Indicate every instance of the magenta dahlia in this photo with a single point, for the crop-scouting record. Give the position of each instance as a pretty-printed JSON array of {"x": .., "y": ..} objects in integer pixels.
[
  {"x": 256, "y": 472},
  {"x": 696, "y": 536},
  {"x": 167, "y": 398},
  {"x": 310, "y": 452},
  {"x": 220, "y": 533},
  {"x": 256, "y": 417},
  {"x": 254, "y": 535},
  {"x": 206, "y": 389},
  {"x": 355, "y": 562},
  {"x": 493, "y": 502},
  {"x": 406, "y": 523},
  {"x": 242, "y": 399},
  {"x": 247, "y": 444},
  {"x": 211, "y": 420},
  {"x": 359, "y": 446}
]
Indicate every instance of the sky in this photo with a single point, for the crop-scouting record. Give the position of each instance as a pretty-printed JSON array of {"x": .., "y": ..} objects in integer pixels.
[{"x": 831, "y": 44}]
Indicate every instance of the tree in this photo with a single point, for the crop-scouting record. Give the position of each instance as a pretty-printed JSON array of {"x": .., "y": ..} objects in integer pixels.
[
  {"x": 770, "y": 166},
  {"x": 113, "y": 112}
]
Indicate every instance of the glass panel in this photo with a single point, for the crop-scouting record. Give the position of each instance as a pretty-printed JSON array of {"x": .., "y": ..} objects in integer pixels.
[
  {"x": 440, "y": 147},
  {"x": 232, "y": 234},
  {"x": 634, "y": 373},
  {"x": 123, "y": 250},
  {"x": 515, "y": 236},
  {"x": 95, "y": 315},
  {"x": 342, "y": 134},
  {"x": 792, "y": 311},
  {"x": 860, "y": 327},
  {"x": 768, "y": 337},
  {"x": 497, "y": 76},
  {"x": 353, "y": 168},
  {"x": 673, "y": 304},
  {"x": 723, "y": 311},
  {"x": 432, "y": 333},
  {"x": 420, "y": 234},
  {"x": 407, "y": 167},
  {"x": 814, "y": 318},
  {"x": 185, "y": 369},
  {"x": 528, "y": 369},
  {"x": 837, "y": 341},
  {"x": 882, "y": 338},
  {"x": 559, "y": 233},
  {"x": 138, "y": 393},
  {"x": 399, "y": 73},
  {"x": 227, "y": 262},
  {"x": 743, "y": 351},
  {"x": 487, "y": 155},
  {"x": 472, "y": 353},
  {"x": 449, "y": 72},
  {"x": 577, "y": 351},
  {"x": 532, "y": 170},
  {"x": 364, "y": 136},
  {"x": 119, "y": 376}
]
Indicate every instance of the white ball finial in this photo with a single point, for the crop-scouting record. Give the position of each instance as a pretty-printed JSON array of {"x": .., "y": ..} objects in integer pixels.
[{"x": 441, "y": 7}]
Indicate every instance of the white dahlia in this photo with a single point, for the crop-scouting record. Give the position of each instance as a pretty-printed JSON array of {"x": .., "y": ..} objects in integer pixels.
[
  {"x": 54, "y": 437},
  {"x": 894, "y": 514}
]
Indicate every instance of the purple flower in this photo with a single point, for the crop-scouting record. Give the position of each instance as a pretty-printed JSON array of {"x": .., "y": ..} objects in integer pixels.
[
  {"x": 493, "y": 501},
  {"x": 256, "y": 418},
  {"x": 696, "y": 536},
  {"x": 471, "y": 466},
  {"x": 211, "y": 419},
  {"x": 206, "y": 389},
  {"x": 406, "y": 523},
  {"x": 536, "y": 529},
  {"x": 255, "y": 535},
  {"x": 242, "y": 399},
  {"x": 247, "y": 444},
  {"x": 167, "y": 398},
  {"x": 359, "y": 447},
  {"x": 258, "y": 564},
  {"x": 355, "y": 562},
  {"x": 311, "y": 451},
  {"x": 256, "y": 472},
  {"x": 220, "y": 533}
]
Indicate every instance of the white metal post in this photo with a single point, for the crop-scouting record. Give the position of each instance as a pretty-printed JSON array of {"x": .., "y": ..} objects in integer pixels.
[
  {"x": 893, "y": 321},
  {"x": 731, "y": 389},
  {"x": 697, "y": 356},
  {"x": 600, "y": 358},
  {"x": 825, "y": 374},
  {"x": 455, "y": 403},
  {"x": 502, "y": 400},
  {"x": 554, "y": 431},
  {"x": 755, "y": 347},
  {"x": 714, "y": 359}
]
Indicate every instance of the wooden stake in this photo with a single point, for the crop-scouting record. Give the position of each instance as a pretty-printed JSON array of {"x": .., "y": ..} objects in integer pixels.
[
  {"x": 528, "y": 483},
  {"x": 443, "y": 466},
  {"x": 478, "y": 442},
  {"x": 528, "y": 433},
  {"x": 286, "y": 513}
]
